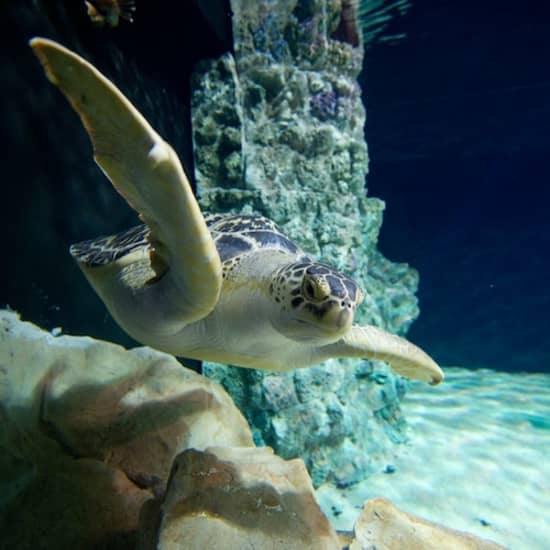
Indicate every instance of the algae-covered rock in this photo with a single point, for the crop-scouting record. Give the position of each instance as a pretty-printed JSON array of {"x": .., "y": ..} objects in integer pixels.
[
  {"x": 89, "y": 433},
  {"x": 341, "y": 420},
  {"x": 278, "y": 129},
  {"x": 238, "y": 498}
]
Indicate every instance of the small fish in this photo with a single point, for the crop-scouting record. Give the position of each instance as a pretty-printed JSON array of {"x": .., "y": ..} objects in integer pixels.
[
  {"x": 348, "y": 22},
  {"x": 348, "y": 30},
  {"x": 110, "y": 12}
]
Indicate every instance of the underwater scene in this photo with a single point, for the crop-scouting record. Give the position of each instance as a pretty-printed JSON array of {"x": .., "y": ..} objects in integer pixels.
[{"x": 275, "y": 275}]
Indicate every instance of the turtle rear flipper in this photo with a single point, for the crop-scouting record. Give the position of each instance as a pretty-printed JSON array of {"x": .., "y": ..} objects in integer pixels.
[
  {"x": 106, "y": 250},
  {"x": 146, "y": 171}
]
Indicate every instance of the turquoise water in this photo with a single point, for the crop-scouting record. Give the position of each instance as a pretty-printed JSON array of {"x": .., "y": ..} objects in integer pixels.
[{"x": 476, "y": 459}]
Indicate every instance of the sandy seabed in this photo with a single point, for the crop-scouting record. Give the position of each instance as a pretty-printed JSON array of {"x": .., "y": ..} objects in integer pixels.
[{"x": 477, "y": 459}]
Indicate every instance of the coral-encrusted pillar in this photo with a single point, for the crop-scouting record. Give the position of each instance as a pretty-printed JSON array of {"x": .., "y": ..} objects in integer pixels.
[{"x": 278, "y": 129}]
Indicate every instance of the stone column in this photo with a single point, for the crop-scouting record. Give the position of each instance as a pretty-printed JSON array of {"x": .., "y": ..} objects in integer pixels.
[{"x": 278, "y": 129}]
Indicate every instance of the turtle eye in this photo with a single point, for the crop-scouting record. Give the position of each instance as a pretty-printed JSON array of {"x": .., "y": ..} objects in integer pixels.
[{"x": 314, "y": 289}]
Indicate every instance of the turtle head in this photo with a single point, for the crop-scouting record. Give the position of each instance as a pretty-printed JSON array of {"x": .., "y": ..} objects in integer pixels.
[{"x": 314, "y": 302}]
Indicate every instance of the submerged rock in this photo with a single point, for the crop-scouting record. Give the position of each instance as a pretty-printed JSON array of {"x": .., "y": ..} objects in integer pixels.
[
  {"x": 336, "y": 417},
  {"x": 238, "y": 498},
  {"x": 103, "y": 447},
  {"x": 383, "y": 525},
  {"x": 278, "y": 129},
  {"x": 89, "y": 433}
]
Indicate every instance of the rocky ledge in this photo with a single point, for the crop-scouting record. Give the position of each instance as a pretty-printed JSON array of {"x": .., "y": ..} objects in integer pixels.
[{"x": 103, "y": 447}]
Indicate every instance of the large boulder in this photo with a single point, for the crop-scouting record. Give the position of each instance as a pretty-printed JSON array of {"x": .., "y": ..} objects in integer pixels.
[
  {"x": 237, "y": 498},
  {"x": 89, "y": 433}
]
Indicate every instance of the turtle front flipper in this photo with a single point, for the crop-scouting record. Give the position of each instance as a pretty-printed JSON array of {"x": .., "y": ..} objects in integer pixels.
[
  {"x": 370, "y": 342},
  {"x": 146, "y": 171}
]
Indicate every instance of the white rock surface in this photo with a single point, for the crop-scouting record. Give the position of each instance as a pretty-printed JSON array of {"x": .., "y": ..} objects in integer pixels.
[
  {"x": 240, "y": 498},
  {"x": 383, "y": 526},
  {"x": 89, "y": 433}
]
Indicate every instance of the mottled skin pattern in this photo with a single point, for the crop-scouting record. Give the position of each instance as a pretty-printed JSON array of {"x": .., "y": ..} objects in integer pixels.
[
  {"x": 302, "y": 285},
  {"x": 105, "y": 250},
  {"x": 316, "y": 288}
]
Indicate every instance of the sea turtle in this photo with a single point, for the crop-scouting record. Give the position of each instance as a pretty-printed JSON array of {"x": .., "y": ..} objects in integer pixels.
[{"x": 226, "y": 288}]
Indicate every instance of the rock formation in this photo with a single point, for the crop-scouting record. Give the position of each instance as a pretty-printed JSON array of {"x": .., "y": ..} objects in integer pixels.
[
  {"x": 89, "y": 433},
  {"x": 278, "y": 129},
  {"x": 247, "y": 498},
  {"x": 103, "y": 447},
  {"x": 383, "y": 525}
]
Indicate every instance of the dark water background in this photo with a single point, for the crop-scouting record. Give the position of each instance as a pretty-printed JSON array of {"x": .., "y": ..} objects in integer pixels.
[{"x": 458, "y": 129}]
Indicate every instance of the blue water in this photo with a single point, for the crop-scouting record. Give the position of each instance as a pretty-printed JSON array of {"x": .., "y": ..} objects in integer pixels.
[
  {"x": 475, "y": 460},
  {"x": 458, "y": 129}
]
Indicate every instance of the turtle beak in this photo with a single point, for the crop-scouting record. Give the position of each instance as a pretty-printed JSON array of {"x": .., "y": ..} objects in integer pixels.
[
  {"x": 345, "y": 318},
  {"x": 339, "y": 317}
]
